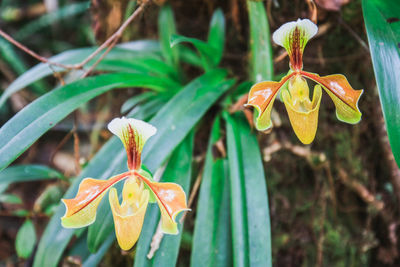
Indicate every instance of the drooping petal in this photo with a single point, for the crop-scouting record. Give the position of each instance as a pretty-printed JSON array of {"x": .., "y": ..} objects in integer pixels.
[
  {"x": 133, "y": 134},
  {"x": 129, "y": 217},
  {"x": 262, "y": 96},
  {"x": 304, "y": 123},
  {"x": 81, "y": 210},
  {"x": 171, "y": 199},
  {"x": 293, "y": 36},
  {"x": 343, "y": 95}
]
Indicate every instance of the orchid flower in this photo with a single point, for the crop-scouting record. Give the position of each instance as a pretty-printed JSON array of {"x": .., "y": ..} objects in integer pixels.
[
  {"x": 139, "y": 189},
  {"x": 295, "y": 93}
]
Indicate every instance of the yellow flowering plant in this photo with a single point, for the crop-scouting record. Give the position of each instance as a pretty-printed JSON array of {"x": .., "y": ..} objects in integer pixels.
[
  {"x": 139, "y": 189},
  {"x": 295, "y": 93}
]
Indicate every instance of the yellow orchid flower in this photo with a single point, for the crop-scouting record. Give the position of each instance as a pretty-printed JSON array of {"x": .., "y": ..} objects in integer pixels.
[
  {"x": 137, "y": 192},
  {"x": 303, "y": 112}
]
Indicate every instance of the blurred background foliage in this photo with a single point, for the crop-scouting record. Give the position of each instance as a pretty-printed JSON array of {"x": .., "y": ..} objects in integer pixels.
[{"x": 334, "y": 203}]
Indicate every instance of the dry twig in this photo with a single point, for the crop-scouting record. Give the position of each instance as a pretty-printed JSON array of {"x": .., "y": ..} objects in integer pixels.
[
  {"x": 239, "y": 105},
  {"x": 193, "y": 194},
  {"x": 155, "y": 241},
  {"x": 360, "y": 189},
  {"x": 354, "y": 34},
  {"x": 313, "y": 11},
  {"x": 76, "y": 144},
  {"x": 280, "y": 57},
  {"x": 100, "y": 59},
  {"x": 110, "y": 42}
]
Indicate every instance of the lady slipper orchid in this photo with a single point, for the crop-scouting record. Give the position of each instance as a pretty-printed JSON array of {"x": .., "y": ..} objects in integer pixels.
[
  {"x": 295, "y": 93},
  {"x": 139, "y": 189}
]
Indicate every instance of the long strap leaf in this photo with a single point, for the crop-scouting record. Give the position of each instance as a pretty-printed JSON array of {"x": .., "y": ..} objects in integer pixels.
[
  {"x": 249, "y": 202},
  {"x": 212, "y": 240},
  {"x": 383, "y": 29},
  {"x": 261, "y": 58},
  {"x": 178, "y": 170},
  {"x": 33, "y": 121}
]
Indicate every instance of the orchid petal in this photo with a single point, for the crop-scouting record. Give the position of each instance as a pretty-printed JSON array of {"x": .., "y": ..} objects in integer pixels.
[
  {"x": 343, "y": 95},
  {"x": 81, "y": 210},
  {"x": 171, "y": 199},
  {"x": 293, "y": 36},
  {"x": 133, "y": 134},
  {"x": 262, "y": 96},
  {"x": 148, "y": 176},
  {"x": 129, "y": 217},
  {"x": 304, "y": 123}
]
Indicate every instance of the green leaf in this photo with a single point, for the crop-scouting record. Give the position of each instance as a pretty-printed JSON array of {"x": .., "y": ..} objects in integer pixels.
[
  {"x": 20, "y": 213},
  {"x": 216, "y": 35},
  {"x": 173, "y": 123},
  {"x": 178, "y": 119},
  {"x": 48, "y": 198},
  {"x": 145, "y": 65},
  {"x": 212, "y": 241},
  {"x": 383, "y": 29},
  {"x": 261, "y": 59},
  {"x": 79, "y": 248},
  {"x": 178, "y": 170},
  {"x": 143, "y": 46},
  {"x": 24, "y": 173},
  {"x": 207, "y": 52},
  {"x": 148, "y": 109},
  {"x": 134, "y": 100},
  {"x": 211, "y": 51},
  {"x": 3, "y": 187},
  {"x": 127, "y": 52},
  {"x": 33, "y": 121},
  {"x": 249, "y": 202},
  {"x": 50, "y": 18},
  {"x": 95, "y": 259},
  {"x": 10, "y": 199},
  {"x": 189, "y": 56},
  {"x": 25, "y": 240},
  {"x": 7, "y": 52},
  {"x": 166, "y": 27}
]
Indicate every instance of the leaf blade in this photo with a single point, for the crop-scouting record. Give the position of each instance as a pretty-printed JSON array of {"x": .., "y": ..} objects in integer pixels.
[
  {"x": 261, "y": 58},
  {"x": 216, "y": 35},
  {"x": 33, "y": 121},
  {"x": 383, "y": 38},
  {"x": 212, "y": 240},
  {"x": 166, "y": 26},
  {"x": 250, "y": 213},
  {"x": 206, "y": 51},
  {"x": 24, "y": 173},
  {"x": 25, "y": 240}
]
